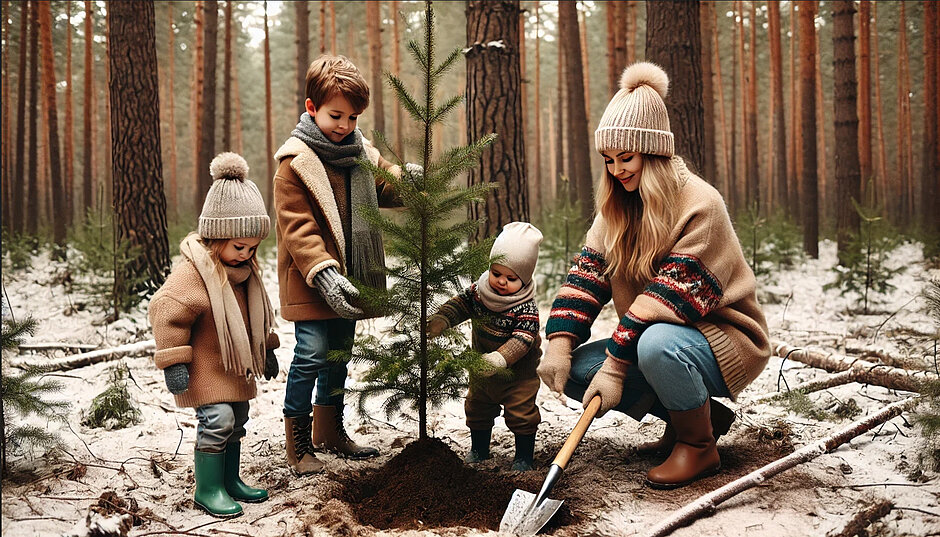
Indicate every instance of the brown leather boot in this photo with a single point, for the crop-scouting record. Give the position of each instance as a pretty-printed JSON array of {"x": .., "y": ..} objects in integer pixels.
[
  {"x": 721, "y": 417},
  {"x": 695, "y": 454},
  {"x": 300, "y": 455},
  {"x": 330, "y": 434}
]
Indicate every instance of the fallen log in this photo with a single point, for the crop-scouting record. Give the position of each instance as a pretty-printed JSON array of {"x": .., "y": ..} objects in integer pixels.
[
  {"x": 709, "y": 502},
  {"x": 87, "y": 358},
  {"x": 55, "y": 346},
  {"x": 886, "y": 376},
  {"x": 838, "y": 379}
]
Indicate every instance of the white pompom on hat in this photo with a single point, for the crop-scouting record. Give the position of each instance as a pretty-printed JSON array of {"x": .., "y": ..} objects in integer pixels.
[
  {"x": 636, "y": 119},
  {"x": 518, "y": 247},
  {"x": 234, "y": 208}
]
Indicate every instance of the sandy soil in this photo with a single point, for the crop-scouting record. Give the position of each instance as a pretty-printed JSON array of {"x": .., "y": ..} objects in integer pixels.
[{"x": 149, "y": 465}]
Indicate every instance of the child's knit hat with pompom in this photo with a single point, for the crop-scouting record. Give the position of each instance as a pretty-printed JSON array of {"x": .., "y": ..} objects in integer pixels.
[
  {"x": 636, "y": 119},
  {"x": 234, "y": 208}
]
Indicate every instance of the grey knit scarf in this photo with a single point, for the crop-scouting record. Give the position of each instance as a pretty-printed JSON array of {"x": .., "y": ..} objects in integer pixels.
[{"x": 366, "y": 259}]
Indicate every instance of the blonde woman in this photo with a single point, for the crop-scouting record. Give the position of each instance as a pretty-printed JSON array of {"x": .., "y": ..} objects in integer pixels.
[{"x": 663, "y": 248}]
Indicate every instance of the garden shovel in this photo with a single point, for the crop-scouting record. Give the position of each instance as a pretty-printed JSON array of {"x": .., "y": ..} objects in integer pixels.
[{"x": 528, "y": 512}]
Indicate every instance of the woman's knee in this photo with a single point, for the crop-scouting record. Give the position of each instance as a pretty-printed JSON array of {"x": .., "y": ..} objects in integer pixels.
[{"x": 653, "y": 347}]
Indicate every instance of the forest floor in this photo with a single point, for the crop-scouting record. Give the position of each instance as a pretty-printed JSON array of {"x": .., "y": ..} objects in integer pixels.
[{"x": 148, "y": 466}]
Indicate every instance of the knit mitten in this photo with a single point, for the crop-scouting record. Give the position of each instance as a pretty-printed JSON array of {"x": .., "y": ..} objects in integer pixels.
[
  {"x": 556, "y": 364},
  {"x": 608, "y": 383},
  {"x": 436, "y": 325},
  {"x": 177, "y": 378},
  {"x": 270, "y": 365},
  {"x": 496, "y": 360},
  {"x": 337, "y": 291}
]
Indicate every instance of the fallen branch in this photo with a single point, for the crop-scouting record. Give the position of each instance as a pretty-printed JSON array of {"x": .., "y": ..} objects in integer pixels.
[
  {"x": 865, "y": 517},
  {"x": 838, "y": 379},
  {"x": 886, "y": 376},
  {"x": 55, "y": 346},
  {"x": 88, "y": 358},
  {"x": 707, "y": 503}
]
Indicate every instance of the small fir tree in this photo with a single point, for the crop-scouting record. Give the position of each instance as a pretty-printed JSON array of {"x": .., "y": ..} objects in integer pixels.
[
  {"x": 113, "y": 408},
  {"x": 23, "y": 396},
  {"x": 929, "y": 417},
  {"x": 563, "y": 234},
  {"x": 429, "y": 258},
  {"x": 769, "y": 244},
  {"x": 865, "y": 272}
]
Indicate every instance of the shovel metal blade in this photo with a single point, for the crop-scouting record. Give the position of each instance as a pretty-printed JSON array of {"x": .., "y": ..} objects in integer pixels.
[{"x": 523, "y": 517}]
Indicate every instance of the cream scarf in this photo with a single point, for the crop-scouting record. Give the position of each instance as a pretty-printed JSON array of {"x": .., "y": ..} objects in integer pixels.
[
  {"x": 498, "y": 303},
  {"x": 241, "y": 355}
]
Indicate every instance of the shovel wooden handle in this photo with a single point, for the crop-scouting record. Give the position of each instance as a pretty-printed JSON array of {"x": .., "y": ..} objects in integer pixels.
[{"x": 564, "y": 454}]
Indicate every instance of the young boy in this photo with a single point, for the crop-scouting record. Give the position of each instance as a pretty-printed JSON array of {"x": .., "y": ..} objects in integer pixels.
[
  {"x": 321, "y": 239},
  {"x": 505, "y": 321}
]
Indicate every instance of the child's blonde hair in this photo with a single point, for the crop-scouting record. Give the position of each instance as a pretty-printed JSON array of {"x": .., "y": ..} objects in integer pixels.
[
  {"x": 331, "y": 75},
  {"x": 639, "y": 223}
]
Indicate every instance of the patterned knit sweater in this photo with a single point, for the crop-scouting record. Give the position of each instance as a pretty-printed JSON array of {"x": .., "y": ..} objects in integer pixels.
[
  {"x": 704, "y": 281},
  {"x": 514, "y": 332}
]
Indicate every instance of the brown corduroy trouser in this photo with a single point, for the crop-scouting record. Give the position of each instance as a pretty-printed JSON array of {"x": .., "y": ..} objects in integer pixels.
[{"x": 516, "y": 398}]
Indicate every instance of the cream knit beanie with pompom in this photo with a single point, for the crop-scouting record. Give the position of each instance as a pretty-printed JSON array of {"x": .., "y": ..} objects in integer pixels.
[
  {"x": 636, "y": 119},
  {"x": 234, "y": 208}
]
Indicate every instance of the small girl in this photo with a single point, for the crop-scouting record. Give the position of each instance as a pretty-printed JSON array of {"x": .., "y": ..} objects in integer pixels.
[
  {"x": 505, "y": 321},
  {"x": 213, "y": 325}
]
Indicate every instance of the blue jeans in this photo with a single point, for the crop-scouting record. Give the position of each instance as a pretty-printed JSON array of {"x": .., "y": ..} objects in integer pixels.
[
  {"x": 220, "y": 424},
  {"x": 310, "y": 367},
  {"x": 673, "y": 364}
]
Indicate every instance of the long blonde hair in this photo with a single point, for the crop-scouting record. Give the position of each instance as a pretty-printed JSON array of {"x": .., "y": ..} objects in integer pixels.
[{"x": 639, "y": 223}]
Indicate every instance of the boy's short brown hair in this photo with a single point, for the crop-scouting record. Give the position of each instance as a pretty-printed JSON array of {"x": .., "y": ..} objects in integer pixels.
[{"x": 330, "y": 75}]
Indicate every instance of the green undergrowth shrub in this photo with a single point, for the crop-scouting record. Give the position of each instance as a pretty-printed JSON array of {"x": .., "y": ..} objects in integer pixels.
[
  {"x": 113, "y": 408},
  {"x": 562, "y": 237},
  {"x": 769, "y": 243}
]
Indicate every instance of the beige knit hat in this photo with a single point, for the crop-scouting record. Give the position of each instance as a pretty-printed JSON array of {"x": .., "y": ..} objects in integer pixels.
[
  {"x": 518, "y": 245},
  {"x": 636, "y": 119},
  {"x": 234, "y": 208}
]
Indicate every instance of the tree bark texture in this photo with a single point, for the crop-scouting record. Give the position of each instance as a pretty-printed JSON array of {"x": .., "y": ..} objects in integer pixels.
[
  {"x": 6, "y": 209},
  {"x": 268, "y": 117},
  {"x": 724, "y": 184},
  {"x": 930, "y": 171},
  {"x": 575, "y": 124},
  {"x": 494, "y": 104},
  {"x": 778, "y": 175},
  {"x": 228, "y": 62},
  {"x": 752, "y": 195},
  {"x": 707, "y": 14},
  {"x": 173, "y": 186},
  {"x": 881, "y": 190},
  {"x": 809, "y": 198},
  {"x": 207, "y": 127},
  {"x": 374, "y": 31},
  {"x": 32, "y": 185},
  {"x": 302, "y": 38},
  {"x": 52, "y": 122},
  {"x": 139, "y": 202},
  {"x": 845, "y": 113},
  {"x": 195, "y": 100},
  {"x": 88, "y": 107},
  {"x": 673, "y": 41},
  {"x": 68, "y": 144},
  {"x": 396, "y": 69},
  {"x": 864, "y": 100},
  {"x": 796, "y": 132},
  {"x": 537, "y": 204},
  {"x": 19, "y": 183}
]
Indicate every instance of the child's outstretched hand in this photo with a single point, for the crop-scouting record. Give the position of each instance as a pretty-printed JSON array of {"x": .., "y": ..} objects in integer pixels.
[
  {"x": 177, "y": 378},
  {"x": 338, "y": 291},
  {"x": 496, "y": 360},
  {"x": 270, "y": 365},
  {"x": 436, "y": 326}
]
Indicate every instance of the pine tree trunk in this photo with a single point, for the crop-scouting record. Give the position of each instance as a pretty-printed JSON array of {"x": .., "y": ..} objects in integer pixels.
[
  {"x": 561, "y": 142},
  {"x": 268, "y": 117},
  {"x": 795, "y": 173},
  {"x": 882, "y": 196},
  {"x": 905, "y": 149},
  {"x": 332, "y": 7},
  {"x": 531, "y": 182},
  {"x": 824, "y": 186},
  {"x": 725, "y": 183},
  {"x": 302, "y": 40},
  {"x": 32, "y": 189},
  {"x": 173, "y": 188},
  {"x": 930, "y": 172},
  {"x": 68, "y": 177},
  {"x": 779, "y": 177},
  {"x": 752, "y": 175},
  {"x": 707, "y": 14},
  {"x": 673, "y": 41},
  {"x": 374, "y": 32},
  {"x": 228, "y": 62},
  {"x": 19, "y": 183},
  {"x": 494, "y": 105},
  {"x": 139, "y": 203},
  {"x": 88, "y": 107},
  {"x": 323, "y": 26},
  {"x": 195, "y": 100},
  {"x": 6, "y": 209},
  {"x": 737, "y": 78},
  {"x": 582, "y": 31},
  {"x": 845, "y": 113},
  {"x": 864, "y": 99},
  {"x": 575, "y": 126},
  {"x": 396, "y": 69},
  {"x": 57, "y": 184},
  {"x": 809, "y": 198},
  {"x": 208, "y": 101},
  {"x": 629, "y": 15},
  {"x": 538, "y": 201},
  {"x": 106, "y": 186},
  {"x": 614, "y": 68}
]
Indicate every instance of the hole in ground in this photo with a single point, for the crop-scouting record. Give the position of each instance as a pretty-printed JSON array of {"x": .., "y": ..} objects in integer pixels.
[{"x": 428, "y": 486}]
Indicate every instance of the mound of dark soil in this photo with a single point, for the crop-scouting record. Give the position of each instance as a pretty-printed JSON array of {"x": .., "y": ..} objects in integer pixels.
[{"x": 428, "y": 486}]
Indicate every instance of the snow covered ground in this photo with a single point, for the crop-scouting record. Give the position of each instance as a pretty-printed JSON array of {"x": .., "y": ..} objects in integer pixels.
[{"x": 151, "y": 462}]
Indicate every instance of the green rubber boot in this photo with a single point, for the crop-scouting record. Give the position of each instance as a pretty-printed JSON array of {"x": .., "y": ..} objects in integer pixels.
[
  {"x": 234, "y": 485},
  {"x": 479, "y": 445},
  {"x": 210, "y": 492}
]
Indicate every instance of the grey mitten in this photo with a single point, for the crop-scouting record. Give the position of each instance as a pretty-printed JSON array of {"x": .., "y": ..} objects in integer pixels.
[
  {"x": 414, "y": 169},
  {"x": 270, "y": 365},
  {"x": 177, "y": 378},
  {"x": 337, "y": 291}
]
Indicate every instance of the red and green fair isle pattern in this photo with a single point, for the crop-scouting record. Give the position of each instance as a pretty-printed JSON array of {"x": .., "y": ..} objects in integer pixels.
[{"x": 586, "y": 290}]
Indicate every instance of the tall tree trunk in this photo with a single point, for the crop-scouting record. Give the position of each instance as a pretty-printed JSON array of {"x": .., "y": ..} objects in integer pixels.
[
  {"x": 538, "y": 201},
  {"x": 139, "y": 203},
  {"x": 302, "y": 40},
  {"x": 725, "y": 183},
  {"x": 930, "y": 172},
  {"x": 752, "y": 175},
  {"x": 207, "y": 132},
  {"x": 845, "y": 112},
  {"x": 52, "y": 121},
  {"x": 172, "y": 189},
  {"x": 32, "y": 189},
  {"x": 332, "y": 6},
  {"x": 88, "y": 107},
  {"x": 6, "y": 209},
  {"x": 629, "y": 15},
  {"x": 575, "y": 126},
  {"x": 195, "y": 99},
  {"x": 532, "y": 185},
  {"x": 19, "y": 183},
  {"x": 905, "y": 149},
  {"x": 734, "y": 178},
  {"x": 882, "y": 195},
  {"x": 561, "y": 143},
  {"x": 795, "y": 173},
  {"x": 779, "y": 178},
  {"x": 864, "y": 98},
  {"x": 323, "y": 26},
  {"x": 228, "y": 61},
  {"x": 69, "y": 142},
  {"x": 268, "y": 117},
  {"x": 707, "y": 14},
  {"x": 825, "y": 190},
  {"x": 673, "y": 41},
  {"x": 494, "y": 105},
  {"x": 809, "y": 199},
  {"x": 374, "y": 31},
  {"x": 582, "y": 26},
  {"x": 614, "y": 30},
  {"x": 741, "y": 181},
  {"x": 107, "y": 184},
  {"x": 396, "y": 69}
]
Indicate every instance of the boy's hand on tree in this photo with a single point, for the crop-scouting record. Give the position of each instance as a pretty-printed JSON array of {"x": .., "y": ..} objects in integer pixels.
[
  {"x": 436, "y": 326},
  {"x": 177, "y": 378},
  {"x": 496, "y": 360},
  {"x": 556, "y": 364},
  {"x": 270, "y": 365},
  {"x": 337, "y": 291}
]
